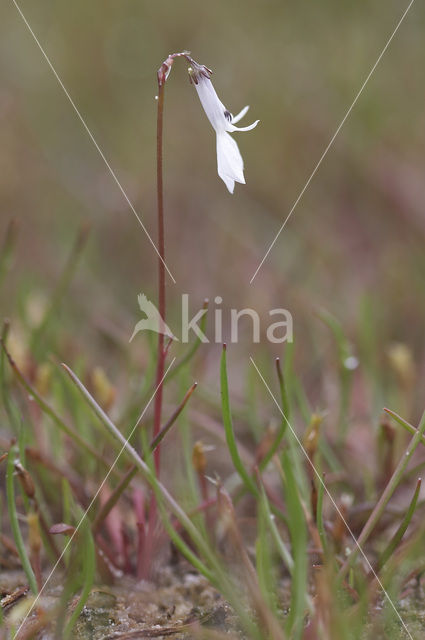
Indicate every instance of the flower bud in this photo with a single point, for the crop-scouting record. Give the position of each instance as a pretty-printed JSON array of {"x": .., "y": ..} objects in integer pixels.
[
  {"x": 34, "y": 537},
  {"x": 104, "y": 392},
  {"x": 43, "y": 376},
  {"x": 199, "y": 459},
  {"x": 401, "y": 361}
]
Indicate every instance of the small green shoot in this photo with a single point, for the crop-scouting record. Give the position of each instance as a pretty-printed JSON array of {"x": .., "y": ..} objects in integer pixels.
[
  {"x": 228, "y": 427},
  {"x": 13, "y": 516}
]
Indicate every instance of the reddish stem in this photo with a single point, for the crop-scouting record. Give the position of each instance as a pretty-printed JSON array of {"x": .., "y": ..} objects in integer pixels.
[
  {"x": 160, "y": 366},
  {"x": 145, "y": 562}
]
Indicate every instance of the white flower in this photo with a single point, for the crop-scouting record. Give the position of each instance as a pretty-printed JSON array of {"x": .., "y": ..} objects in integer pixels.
[{"x": 229, "y": 159}]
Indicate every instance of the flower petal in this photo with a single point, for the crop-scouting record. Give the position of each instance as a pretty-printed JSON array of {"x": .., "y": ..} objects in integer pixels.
[
  {"x": 212, "y": 104},
  {"x": 230, "y": 184},
  {"x": 240, "y": 115},
  {"x": 230, "y": 127},
  {"x": 229, "y": 161}
]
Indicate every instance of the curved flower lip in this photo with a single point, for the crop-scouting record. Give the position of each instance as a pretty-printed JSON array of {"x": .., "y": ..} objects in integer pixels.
[
  {"x": 229, "y": 159},
  {"x": 220, "y": 118}
]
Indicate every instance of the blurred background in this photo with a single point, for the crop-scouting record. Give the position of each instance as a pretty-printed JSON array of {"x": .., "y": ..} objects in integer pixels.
[{"x": 354, "y": 245}]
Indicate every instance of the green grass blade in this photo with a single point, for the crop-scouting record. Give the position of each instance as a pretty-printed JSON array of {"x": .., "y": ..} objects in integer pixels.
[
  {"x": 130, "y": 473},
  {"x": 265, "y": 565},
  {"x": 385, "y": 497},
  {"x": 89, "y": 569},
  {"x": 403, "y": 423},
  {"x": 396, "y": 539},
  {"x": 280, "y": 545},
  {"x": 13, "y": 517},
  {"x": 147, "y": 473},
  {"x": 284, "y": 422},
  {"x": 48, "y": 410},
  {"x": 229, "y": 431},
  {"x": 176, "y": 538},
  {"x": 14, "y": 420},
  {"x": 298, "y": 533}
]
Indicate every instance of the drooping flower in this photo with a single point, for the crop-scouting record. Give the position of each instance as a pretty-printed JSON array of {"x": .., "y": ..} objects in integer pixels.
[{"x": 229, "y": 160}]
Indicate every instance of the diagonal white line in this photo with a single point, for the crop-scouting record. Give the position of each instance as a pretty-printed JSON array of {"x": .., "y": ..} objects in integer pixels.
[
  {"x": 83, "y": 517},
  {"x": 319, "y": 477},
  {"x": 322, "y": 157},
  {"x": 92, "y": 138}
]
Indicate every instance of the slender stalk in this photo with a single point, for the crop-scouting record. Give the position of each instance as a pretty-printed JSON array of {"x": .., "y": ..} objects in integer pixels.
[
  {"x": 161, "y": 270},
  {"x": 161, "y": 354}
]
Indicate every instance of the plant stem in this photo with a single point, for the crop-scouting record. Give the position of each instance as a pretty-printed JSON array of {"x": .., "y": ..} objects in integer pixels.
[
  {"x": 161, "y": 271},
  {"x": 152, "y": 480},
  {"x": 127, "y": 478},
  {"x": 160, "y": 364}
]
